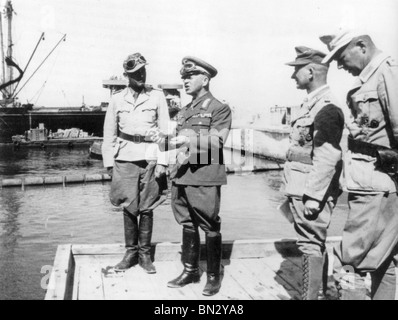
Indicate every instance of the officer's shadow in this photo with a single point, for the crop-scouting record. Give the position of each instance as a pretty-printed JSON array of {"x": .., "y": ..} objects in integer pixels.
[
  {"x": 287, "y": 267},
  {"x": 290, "y": 273}
]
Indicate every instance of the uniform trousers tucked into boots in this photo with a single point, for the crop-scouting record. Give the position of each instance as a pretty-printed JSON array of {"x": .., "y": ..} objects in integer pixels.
[
  {"x": 138, "y": 242},
  {"x": 135, "y": 188},
  {"x": 196, "y": 207},
  {"x": 311, "y": 242}
]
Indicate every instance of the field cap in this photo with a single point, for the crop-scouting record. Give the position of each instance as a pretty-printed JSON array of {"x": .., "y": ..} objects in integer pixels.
[
  {"x": 336, "y": 41},
  {"x": 134, "y": 62},
  {"x": 307, "y": 55},
  {"x": 193, "y": 65}
]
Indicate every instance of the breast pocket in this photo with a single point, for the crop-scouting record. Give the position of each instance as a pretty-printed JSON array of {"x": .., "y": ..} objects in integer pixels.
[
  {"x": 123, "y": 112},
  {"x": 368, "y": 103},
  {"x": 149, "y": 114}
]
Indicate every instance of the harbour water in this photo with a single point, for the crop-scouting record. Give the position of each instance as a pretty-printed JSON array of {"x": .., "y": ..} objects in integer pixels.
[{"x": 33, "y": 222}]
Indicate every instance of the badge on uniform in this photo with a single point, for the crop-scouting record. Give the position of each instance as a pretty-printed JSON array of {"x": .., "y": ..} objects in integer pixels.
[{"x": 202, "y": 115}]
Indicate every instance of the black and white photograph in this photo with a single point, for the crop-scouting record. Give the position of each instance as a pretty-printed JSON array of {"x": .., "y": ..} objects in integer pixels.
[{"x": 198, "y": 154}]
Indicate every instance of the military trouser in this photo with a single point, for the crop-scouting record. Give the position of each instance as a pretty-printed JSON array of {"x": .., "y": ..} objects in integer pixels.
[
  {"x": 311, "y": 233},
  {"x": 369, "y": 242},
  {"x": 135, "y": 188},
  {"x": 197, "y": 206}
]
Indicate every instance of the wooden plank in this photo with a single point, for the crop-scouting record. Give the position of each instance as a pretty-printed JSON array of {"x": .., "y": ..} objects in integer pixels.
[
  {"x": 62, "y": 285},
  {"x": 129, "y": 285},
  {"x": 90, "y": 279},
  {"x": 61, "y": 279},
  {"x": 279, "y": 288},
  {"x": 136, "y": 284},
  {"x": 237, "y": 249},
  {"x": 166, "y": 271},
  {"x": 98, "y": 249},
  {"x": 253, "y": 285},
  {"x": 76, "y": 284},
  {"x": 230, "y": 288},
  {"x": 285, "y": 269},
  {"x": 396, "y": 292}
]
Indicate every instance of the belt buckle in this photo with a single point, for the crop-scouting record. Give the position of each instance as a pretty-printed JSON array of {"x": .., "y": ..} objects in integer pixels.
[{"x": 137, "y": 138}]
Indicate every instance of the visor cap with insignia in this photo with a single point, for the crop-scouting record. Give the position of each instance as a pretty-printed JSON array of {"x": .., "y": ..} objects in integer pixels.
[{"x": 193, "y": 65}]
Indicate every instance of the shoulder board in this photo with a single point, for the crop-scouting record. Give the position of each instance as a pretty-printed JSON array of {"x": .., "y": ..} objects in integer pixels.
[{"x": 205, "y": 104}]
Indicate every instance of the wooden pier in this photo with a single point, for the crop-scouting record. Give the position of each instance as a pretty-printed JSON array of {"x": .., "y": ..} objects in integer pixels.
[{"x": 252, "y": 270}]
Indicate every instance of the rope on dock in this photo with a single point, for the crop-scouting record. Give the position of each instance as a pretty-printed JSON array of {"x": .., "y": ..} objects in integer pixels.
[{"x": 55, "y": 180}]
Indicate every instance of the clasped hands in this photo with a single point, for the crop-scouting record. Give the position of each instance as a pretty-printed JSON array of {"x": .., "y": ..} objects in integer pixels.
[{"x": 174, "y": 143}]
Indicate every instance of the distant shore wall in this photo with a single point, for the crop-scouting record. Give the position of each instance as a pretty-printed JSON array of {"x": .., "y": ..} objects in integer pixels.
[{"x": 265, "y": 142}]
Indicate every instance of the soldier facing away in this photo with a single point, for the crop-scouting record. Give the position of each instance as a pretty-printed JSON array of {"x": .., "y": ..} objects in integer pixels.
[{"x": 313, "y": 166}]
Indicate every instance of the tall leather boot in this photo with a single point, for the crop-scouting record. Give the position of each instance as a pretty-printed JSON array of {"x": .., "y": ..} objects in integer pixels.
[
  {"x": 130, "y": 258},
  {"x": 384, "y": 282},
  {"x": 351, "y": 287},
  {"x": 312, "y": 276},
  {"x": 190, "y": 260},
  {"x": 213, "y": 247},
  {"x": 145, "y": 237}
]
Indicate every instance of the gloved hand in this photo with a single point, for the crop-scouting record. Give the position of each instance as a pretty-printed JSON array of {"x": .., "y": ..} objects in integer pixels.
[{"x": 110, "y": 171}]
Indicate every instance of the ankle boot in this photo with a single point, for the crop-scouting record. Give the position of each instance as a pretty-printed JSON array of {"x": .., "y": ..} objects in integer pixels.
[
  {"x": 130, "y": 259},
  {"x": 190, "y": 260},
  {"x": 312, "y": 276},
  {"x": 351, "y": 286},
  {"x": 214, "y": 247},
  {"x": 145, "y": 237}
]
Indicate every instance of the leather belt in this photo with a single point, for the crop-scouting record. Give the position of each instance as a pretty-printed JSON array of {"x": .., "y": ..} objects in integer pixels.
[
  {"x": 136, "y": 138},
  {"x": 365, "y": 148}
]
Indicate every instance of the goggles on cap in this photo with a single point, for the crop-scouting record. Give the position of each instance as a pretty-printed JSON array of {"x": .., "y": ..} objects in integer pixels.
[
  {"x": 191, "y": 67},
  {"x": 131, "y": 64}
]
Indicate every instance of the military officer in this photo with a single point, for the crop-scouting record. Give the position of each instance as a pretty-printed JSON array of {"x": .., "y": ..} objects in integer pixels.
[
  {"x": 370, "y": 235},
  {"x": 202, "y": 129},
  {"x": 313, "y": 166},
  {"x": 135, "y": 162}
]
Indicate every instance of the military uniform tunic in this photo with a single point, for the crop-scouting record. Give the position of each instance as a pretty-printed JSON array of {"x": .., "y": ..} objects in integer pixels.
[
  {"x": 200, "y": 171},
  {"x": 371, "y": 232},
  {"x": 134, "y": 186},
  {"x": 313, "y": 166}
]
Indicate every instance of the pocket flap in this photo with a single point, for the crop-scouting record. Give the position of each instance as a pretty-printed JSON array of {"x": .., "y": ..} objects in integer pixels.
[
  {"x": 201, "y": 122},
  {"x": 366, "y": 96}
]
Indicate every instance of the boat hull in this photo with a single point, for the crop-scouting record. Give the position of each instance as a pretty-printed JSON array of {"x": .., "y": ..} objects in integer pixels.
[{"x": 17, "y": 123}]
